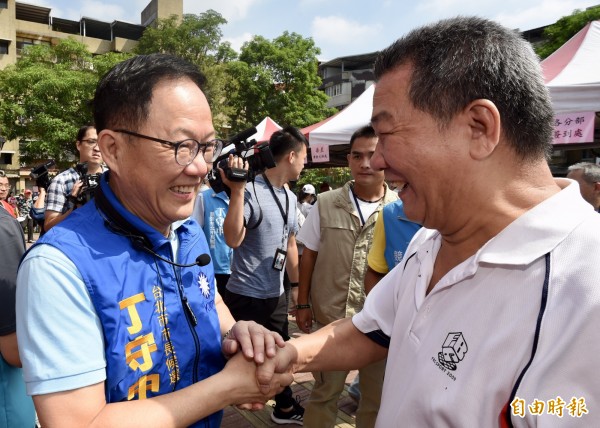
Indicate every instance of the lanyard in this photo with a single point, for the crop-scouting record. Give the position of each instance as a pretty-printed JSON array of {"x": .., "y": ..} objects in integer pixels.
[
  {"x": 362, "y": 220},
  {"x": 284, "y": 215}
]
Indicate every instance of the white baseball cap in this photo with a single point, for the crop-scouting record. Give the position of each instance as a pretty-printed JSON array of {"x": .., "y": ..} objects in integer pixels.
[{"x": 308, "y": 189}]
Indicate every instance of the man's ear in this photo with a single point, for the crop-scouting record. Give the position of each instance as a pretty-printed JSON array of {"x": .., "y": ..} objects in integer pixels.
[
  {"x": 110, "y": 148},
  {"x": 484, "y": 121}
]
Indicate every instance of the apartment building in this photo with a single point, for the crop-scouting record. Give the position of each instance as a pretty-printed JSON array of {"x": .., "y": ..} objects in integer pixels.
[
  {"x": 24, "y": 24},
  {"x": 345, "y": 78}
]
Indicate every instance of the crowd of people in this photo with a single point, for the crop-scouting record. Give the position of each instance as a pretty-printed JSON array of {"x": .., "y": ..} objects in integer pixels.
[{"x": 453, "y": 270}]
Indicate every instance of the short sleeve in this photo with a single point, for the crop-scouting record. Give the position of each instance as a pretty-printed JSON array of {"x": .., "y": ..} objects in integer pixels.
[
  {"x": 376, "y": 257},
  {"x": 250, "y": 208},
  {"x": 60, "y": 336},
  {"x": 293, "y": 211},
  {"x": 310, "y": 233},
  {"x": 376, "y": 319}
]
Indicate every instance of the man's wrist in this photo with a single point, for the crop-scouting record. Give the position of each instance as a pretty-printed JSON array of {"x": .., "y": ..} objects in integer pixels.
[
  {"x": 305, "y": 306},
  {"x": 226, "y": 335}
]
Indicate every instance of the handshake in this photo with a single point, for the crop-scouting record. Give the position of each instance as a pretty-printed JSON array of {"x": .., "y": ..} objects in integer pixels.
[{"x": 259, "y": 366}]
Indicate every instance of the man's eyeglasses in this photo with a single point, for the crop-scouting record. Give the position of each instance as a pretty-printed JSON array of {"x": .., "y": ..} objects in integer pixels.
[
  {"x": 91, "y": 142},
  {"x": 186, "y": 150},
  {"x": 4, "y": 186}
]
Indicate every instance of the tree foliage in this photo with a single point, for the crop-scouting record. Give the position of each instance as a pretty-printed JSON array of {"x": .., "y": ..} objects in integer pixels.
[
  {"x": 278, "y": 79},
  {"x": 44, "y": 98},
  {"x": 198, "y": 40},
  {"x": 336, "y": 177},
  {"x": 566, "y": 27}
]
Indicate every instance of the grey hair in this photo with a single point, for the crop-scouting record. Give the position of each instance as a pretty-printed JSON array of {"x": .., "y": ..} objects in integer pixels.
[
  {"x": 591, "y": 171},
  {"x": 459, "y": 60}
]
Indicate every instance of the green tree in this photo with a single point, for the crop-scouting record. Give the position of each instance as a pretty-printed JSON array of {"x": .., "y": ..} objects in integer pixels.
[
  {"x": 197, "y": 38},
  {"x": 44, "y": 98},
  {"x": 336, "y": 177},
  {"x": 566, "y": 27},
  {"x": 278, "y": 79}
]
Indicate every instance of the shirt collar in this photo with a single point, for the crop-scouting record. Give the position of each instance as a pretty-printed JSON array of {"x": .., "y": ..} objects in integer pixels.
[
  {"x": 540, "y": 229},
  {"x": 532, "y": 235}
]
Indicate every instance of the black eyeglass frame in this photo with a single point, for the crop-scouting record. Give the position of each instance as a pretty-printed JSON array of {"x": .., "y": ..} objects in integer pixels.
[
  {"x": 88, "y": 141},
  {"x": 201, "y": 147}
]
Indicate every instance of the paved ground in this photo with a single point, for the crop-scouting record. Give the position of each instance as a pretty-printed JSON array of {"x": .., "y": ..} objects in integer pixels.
[{"x": 35, "y": 237}]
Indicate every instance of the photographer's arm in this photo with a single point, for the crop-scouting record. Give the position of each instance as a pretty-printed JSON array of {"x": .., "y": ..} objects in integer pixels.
[
  {"x": 291, "y": 265},
  {"x": 233, "y": 226},
  {"x": 291, "y": 268},
  {"x": 52, "y": 218},
  {"x": 40, "y": 202}
]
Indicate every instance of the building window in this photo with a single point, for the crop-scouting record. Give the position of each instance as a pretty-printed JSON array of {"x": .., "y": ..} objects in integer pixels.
[
  {"x": 3, "y": 4},
  {"x": 24, "y": 42},
  {"x": 4, "y": 47},
  {"x": 6, "y": 158},
  {"x": 334, "y": 90}
]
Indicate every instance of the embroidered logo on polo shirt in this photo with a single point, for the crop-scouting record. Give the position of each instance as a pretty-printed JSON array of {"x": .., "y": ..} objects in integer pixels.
[
  {"x": 203, "y": 285},
  {"x": 453, "y": 352}
]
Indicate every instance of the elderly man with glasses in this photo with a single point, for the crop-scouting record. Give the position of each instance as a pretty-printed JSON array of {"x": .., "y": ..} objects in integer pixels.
[
  {"x": 118, "y": 317},
  {"x": 4, "y": 191},
  {"x": 63, "y": 192}
]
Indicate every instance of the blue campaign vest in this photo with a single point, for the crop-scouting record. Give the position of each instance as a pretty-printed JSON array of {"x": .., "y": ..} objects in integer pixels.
[
  {"x": 215, "y": 209},
  {"x": 398, "y": 232},
  {"x": 151, "y": 344}
]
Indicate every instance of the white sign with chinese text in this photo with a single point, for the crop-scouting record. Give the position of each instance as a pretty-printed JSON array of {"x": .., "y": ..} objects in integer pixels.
[
  {"x": 319, "y": 153},
  {"x": 574, "y": 128}
]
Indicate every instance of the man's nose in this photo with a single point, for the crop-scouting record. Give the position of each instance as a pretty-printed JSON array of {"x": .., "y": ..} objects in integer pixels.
[
  {"x": 198, "y": 166},
  {"x": 377, "y": 160}
]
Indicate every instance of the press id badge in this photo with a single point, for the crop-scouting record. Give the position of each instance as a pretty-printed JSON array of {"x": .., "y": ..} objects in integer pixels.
[{"x": 279, "y": 259}]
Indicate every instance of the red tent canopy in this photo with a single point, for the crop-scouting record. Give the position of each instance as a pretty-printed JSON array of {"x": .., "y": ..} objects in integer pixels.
[{"x": 265, "y": 129}]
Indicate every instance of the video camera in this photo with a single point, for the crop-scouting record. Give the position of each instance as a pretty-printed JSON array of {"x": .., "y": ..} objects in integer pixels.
[
  {"x": 258, "y": 156},
  {"x": 40, "y": 174},
  {"x": 90, "y": 182}
]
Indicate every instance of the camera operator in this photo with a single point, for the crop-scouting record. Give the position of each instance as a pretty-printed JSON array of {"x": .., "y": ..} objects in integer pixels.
[
  {"x": 260, "y": 226},
  {"x": 65, "y": 189}
]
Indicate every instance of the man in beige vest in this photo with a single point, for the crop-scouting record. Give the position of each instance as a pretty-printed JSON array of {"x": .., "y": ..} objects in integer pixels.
[{"x": 337, "y": 235}]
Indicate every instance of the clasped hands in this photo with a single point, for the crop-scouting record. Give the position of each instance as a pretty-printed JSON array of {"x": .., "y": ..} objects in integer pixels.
[{"x": 258, "y": 366}]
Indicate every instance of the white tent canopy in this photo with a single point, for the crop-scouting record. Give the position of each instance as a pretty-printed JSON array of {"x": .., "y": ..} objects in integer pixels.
[
  {"x": 340, "y": 127},
  {"x": 572, "y": 72}
]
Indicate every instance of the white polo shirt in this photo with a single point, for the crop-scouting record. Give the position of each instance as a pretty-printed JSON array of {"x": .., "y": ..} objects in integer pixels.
[{"x": 456, "y": 354}]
